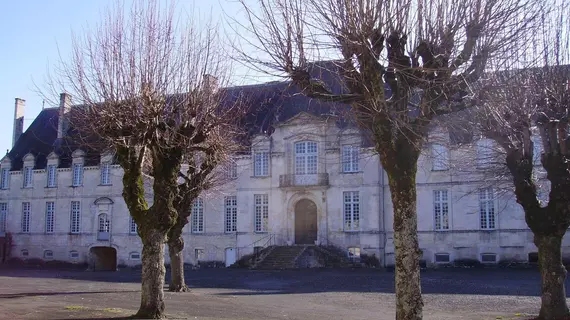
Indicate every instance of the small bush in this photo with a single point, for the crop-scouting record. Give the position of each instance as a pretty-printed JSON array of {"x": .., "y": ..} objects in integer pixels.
[
  {"x": 467, "y": 263},
  {"x": 370, "y": 261}
]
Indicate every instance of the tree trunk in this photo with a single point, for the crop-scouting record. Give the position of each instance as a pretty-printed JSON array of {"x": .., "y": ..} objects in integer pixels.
[
  {"x": 175, "y": 249},
  {"x": 402, "y": 181},
  {"x": 153, "y": 272},
  {"x": 553, "y": 274}
]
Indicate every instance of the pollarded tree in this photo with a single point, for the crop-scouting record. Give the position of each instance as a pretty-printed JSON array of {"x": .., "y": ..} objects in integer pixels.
[
  {"x": 142, "y": 81},
  {"x": 402, "y": 64},
  {"x": 526, "y": 112}
]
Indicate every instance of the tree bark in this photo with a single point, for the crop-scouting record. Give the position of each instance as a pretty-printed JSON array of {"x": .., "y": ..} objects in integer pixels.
[
  {"x": 553, "y": 274},
  {"x": 153, "y": 273},
  {"x": 175, "y": 250}
]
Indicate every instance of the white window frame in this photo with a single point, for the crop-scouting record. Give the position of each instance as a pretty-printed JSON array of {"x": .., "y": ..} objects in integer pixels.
[
  {"x": 261, "y": 212},
  {"x": 50, "y": 217},
  {"x": 74, "y": 254},
  {"x": 104, "y": 223},
  {"x": 48, "y": 254},
  {"x": 232, "y": 172},
  {"x": 487, "y": 210},
  {"x": 440, "y": 156},
  {"x": 199, "y": 254},
  {"x": 51, "y": 172},
  {"x": 230, "y": 209},
  {"x": 198, "y": 216},
  {"x": 350, "y": 158},
  {"x": 28, "y": 177},
  {"x": 5, "y": 179},
  {"x": 133, "y": 228},
  {"x": 75, "y": 218},
  {"x": 77, "y": 174},
  {"x": 105, "y": 173},
  {"x": 442, "y": 254},
  {"x": 306, "y": 157},
  {"x": 441, "y": 210},
  {"x": 3, "y": 216},
  {"x": 353, "y": 254},
  {"x": 26, "y": 212},
  {"x": 261, "y": 163},
  {"x": 484, "y": 153},
  {"x": 134, "y": 256},
  {"x": 351, "y": 211}
]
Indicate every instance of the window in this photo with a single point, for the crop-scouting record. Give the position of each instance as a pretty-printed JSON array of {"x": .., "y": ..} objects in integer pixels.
[
  {"x": 350, "y": 158},
  {"x": 231, "y": 213},
  {"x": 104, "y": 223},
  {"x": 198, "y": 216},
  {"x": 198, "y": 254},
  {"x": 261, "y": 212},
  {"x": 232, "y": 170},
  {"x": 24, "y": 253},
  {"x": 261, "y": 164},
  {"x": 489, "y": 258},
  {"x": 48, "y": 255},
  {"x": 73, "y": 254},
  {"x": 3, "y": 216},
  {"x": 51, "y": 176},
  {"x": 442, "y": 258},
  {"x": 26, "y": 217},
  {"x": 50, "y": 216},
  {"x": 134, "y": 256},
  {"x": 28, "y": 177},
  {"x": 441, "y": 209},
  {"x": 351, "y": 211},
  {"x": 484, "y": 153},
  {"x": 105, "y": 169},
  {"x": 133, "y": 228},
  {"x": 4, "y": 179},
  {"x": 354, "y": 254},
  {"x": 536, "y": 150},
  {"x": 306, "y": 157},
  {"x": 77, "y": 175},
  {"x": 487, "y": 208},
  {"x": 75, "y": 216},
  {"x": 440, "y": 155}
]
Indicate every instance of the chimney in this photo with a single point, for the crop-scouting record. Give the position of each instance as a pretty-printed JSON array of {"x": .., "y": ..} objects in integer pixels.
[
  {"x": 210, "y": 83},
  {"x": 18, "y": 119},
  {"x": 64, "y": 107}
]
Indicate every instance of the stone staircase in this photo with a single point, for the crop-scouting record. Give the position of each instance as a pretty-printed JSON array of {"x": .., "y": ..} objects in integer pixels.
[{"x": 281, "y": 257}]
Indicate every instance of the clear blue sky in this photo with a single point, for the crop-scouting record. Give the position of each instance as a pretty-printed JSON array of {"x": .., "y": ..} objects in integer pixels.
[{"x": 31, "y": 31}]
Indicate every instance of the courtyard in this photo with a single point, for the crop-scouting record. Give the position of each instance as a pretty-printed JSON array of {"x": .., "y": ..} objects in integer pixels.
[{"x": 292, "y": 294}]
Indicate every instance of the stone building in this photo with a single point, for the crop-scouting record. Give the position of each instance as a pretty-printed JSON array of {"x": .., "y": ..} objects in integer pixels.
[{"x": 309, "y": 178}]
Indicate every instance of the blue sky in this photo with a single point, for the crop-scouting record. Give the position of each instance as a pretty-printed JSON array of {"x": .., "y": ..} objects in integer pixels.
[{"x": 32, "y": 32}]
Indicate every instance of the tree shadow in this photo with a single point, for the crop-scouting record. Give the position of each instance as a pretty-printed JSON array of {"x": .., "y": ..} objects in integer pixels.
[{"x": 35, "y": 294}]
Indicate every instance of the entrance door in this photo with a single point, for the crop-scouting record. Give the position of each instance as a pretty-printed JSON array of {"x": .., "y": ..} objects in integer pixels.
[
  {"x": 305, "y": 222},
  {"x": 103, "y": 258},
  {"x": 230, "y": 256}
]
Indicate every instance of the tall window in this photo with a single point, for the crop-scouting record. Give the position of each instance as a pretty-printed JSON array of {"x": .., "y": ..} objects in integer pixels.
[
  {"x": 231, "y": 213},
  {"x": 4, "y": 179},
  {"x": 350, "y": 158},
  {"x": 261, "y": 163},
  {"x": 3, "y": 216},
  {"x": 198, "y": 216},
  {"x": 104, "y": 223},
  {"x": 77, "y": 174},
  {"x": 261, "y": 212},
  {"x": 306, "y": 157},
  {"x": 232, "y": 170},
  {"x": 26, "y": 209},
  {"x": 51, "y": 175},
  {"x": 105, "y": 173},
  {"x": 487, "y": 208},
  {"x": 440, "y": 155},
  {"x": 484, "y": 153},
  {"x": 75, "y": 216},
  {"x": 351, "y": 211},
  {"x": 28, "y": 177},
  {"x": 132, "y": 226},
  {"x": 50, "y": 216},
  {"x": 441, "y": 209}
]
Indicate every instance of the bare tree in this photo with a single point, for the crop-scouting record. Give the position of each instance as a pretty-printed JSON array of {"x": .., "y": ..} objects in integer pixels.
[
  {"x": 526, "y": 112},
  {"x": 144, "y": 84},
  {"x": 402, "y": 63}
]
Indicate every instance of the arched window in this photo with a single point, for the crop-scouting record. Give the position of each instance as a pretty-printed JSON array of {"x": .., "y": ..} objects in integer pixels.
[{"x": 306, "y": 157}]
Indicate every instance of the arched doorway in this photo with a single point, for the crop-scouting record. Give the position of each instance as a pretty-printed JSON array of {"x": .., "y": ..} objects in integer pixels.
[
  {"x": 305, "y": 222},
  {"x": 103, "y": 258}
]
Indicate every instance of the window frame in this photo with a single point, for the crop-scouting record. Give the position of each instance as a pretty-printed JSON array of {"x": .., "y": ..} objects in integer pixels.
[
  {"x": 307, "y": 157},
  {"x": 230, "y": 214},
  {"x": 261, "y": 163},
  {"x": 3, "y": 216},
  {"x": 487, "y": 209},
  {"x": 51, "y": 176},
  {"x": 440, "y": 221},
  {"x": 75, "y": 218},
  {"x": 5, "y": 178},
  {"x": 103, "y": 223},
  {"x": 77, "y": 175},
  {"x": 26, "y": 213},
  {"x": 484, "y": 153},
  {"x": 350, "y": 158},
  {"x": 50, "y": 217},
  {"x": 351, "y": 217},
  {"x": 197, "y": 225},
  {"x": 133, "y": 227},
  {"x": 261, "y": 212},
  {"x": 28, "y": 181},
  {"x": 105, "y": 174},
  {"x": 440, "y": 157}
]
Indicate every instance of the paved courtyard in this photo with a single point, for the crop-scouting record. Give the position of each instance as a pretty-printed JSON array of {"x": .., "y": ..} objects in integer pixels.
[{"x": 296, "y": 294}]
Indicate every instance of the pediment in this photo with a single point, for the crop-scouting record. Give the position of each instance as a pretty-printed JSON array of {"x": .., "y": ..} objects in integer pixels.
[
  {"x": 53, "y": 156},
  {"x": 29, "y": 158},
  {"x": 6, "y": 161},
  {"x": 78, "y": 153}
]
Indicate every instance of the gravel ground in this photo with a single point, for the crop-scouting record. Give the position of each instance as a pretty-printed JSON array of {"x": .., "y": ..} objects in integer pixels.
[{"x": 468, "y": 294}]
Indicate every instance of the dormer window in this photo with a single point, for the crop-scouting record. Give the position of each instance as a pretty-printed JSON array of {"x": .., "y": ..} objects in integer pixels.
[
  {"x": 261, "y": 163},
  {"x": 105, "y": 173},
  {"x": 51, "y": 176},
  {"x": 77, "y": 174},
  {"x": 4, "y": 178},
  {"x": 306, "y": 157},
  {"x": 350, "y": 158},
  {"x": 28, "y": 176},
  {"x": 440, "y": 155}
]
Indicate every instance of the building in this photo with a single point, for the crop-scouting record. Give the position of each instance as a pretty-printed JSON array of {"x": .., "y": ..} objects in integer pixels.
[{"x": 309, "y": 178}]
